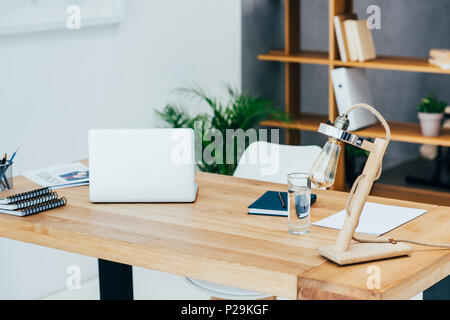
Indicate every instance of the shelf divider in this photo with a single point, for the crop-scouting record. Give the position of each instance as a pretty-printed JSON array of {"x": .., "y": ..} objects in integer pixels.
[
  {"x": 395, "y": 63},
  {"x": 292, "y": 76},
  {"x": 309, "y": 57},
  {"x": 400, "y": 131},
  {"x": 381, "y": 62}
]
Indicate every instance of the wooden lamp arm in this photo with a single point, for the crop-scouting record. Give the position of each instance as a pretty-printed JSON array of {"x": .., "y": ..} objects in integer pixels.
[
  {"x": 377, "y": 114},
  {"x": 368, "y": 146},
  {"x": 363, "y": 184}
]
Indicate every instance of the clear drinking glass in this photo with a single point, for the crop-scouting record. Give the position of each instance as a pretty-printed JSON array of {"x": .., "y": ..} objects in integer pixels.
[
  {"x": 299, "y": 202},
  {"x": 6, "y": 181}
]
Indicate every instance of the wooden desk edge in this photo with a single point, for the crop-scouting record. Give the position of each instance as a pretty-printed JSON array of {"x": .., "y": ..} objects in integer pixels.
[
  {"x": 417, "y": 283},
  {"x": 309, "y": 289},
  {"x": 150, "y": 258}
]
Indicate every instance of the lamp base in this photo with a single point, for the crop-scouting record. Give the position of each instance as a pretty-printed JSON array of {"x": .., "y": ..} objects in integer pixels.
[{"x": 361, "y": 252}]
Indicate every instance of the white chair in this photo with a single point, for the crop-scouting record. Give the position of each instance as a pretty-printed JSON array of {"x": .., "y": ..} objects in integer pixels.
[{"x": 266, "y": 162}]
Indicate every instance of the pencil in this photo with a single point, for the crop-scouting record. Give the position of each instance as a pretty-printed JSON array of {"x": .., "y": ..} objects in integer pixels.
[
  {"x": 14, "y": 154},
  {"x": 281, "y": 200}
]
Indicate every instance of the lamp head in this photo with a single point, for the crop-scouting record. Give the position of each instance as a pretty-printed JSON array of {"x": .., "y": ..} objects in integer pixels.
[
  {"x": 323, "y": 170},
  {"x": 337, "y": 131}
]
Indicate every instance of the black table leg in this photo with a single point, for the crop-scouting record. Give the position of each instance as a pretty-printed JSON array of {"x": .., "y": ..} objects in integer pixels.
[
  {"x": 116, "y": 280},
  {"x": 439, "y": 291}
]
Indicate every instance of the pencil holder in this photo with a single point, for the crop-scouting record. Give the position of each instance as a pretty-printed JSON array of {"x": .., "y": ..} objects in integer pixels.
[{"x": 6, "y": 181}]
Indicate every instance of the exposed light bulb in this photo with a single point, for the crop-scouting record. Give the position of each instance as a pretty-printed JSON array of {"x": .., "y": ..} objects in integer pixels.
[{"x": 323, "y": 170}]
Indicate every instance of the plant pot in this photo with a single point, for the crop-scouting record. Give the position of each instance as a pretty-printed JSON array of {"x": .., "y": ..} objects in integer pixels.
[{"x": 430, "y": 123}]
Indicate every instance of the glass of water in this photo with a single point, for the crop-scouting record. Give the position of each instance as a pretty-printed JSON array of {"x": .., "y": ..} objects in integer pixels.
[{"x": 299, "y": 201}]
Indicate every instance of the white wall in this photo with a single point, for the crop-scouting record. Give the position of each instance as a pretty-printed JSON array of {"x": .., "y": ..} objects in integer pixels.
[{"x": 56, "y": 85}]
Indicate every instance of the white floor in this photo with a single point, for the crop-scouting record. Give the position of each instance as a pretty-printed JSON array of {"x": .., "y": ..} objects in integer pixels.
[{"x": 148, "y": 285}]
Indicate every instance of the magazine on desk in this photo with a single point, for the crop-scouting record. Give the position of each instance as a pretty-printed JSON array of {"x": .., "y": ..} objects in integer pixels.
[{"x": 61, "y": 176}]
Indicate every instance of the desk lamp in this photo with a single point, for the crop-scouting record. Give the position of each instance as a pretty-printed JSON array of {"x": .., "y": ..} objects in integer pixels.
[{"x": 344, "y": 251}]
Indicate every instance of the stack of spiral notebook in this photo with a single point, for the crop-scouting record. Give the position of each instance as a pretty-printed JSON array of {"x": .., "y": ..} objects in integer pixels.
[{"x": 31, "y": 202}]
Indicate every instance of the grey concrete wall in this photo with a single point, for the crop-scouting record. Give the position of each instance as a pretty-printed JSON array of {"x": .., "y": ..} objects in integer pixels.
[{"x": 408, "y": 28}]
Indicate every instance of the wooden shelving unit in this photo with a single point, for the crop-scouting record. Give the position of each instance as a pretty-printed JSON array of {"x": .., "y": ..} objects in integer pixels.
[
  {"x": 310, "y": 57},
  {"x": 381, "y": 62},
  {"x": 395, "y": 63},
  {"x": 293, "y": 57},
  {"x": 400, "y": 131}
]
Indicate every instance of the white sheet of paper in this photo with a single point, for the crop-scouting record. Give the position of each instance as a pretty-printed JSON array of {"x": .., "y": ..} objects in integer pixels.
[{"x": 376, "y": 219}]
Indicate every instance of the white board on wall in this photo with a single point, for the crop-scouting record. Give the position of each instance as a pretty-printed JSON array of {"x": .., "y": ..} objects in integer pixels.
[{"x": 20, "y": 16}]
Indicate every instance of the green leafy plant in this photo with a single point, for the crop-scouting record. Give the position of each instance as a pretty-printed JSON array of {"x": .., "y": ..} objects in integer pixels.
[
  {"x": 431, "y": 105},
  {"x": 239, "y": 111}
]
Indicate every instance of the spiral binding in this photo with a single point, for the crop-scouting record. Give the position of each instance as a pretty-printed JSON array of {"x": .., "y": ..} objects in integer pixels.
[
  {"x": 44, "y": 207},
  {"x": 29, "y": 195},
  {"x": 36, "y": 201}
]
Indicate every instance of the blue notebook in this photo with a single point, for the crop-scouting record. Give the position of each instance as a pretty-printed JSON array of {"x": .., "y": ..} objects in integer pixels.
[{"x": 269, "y": 204}]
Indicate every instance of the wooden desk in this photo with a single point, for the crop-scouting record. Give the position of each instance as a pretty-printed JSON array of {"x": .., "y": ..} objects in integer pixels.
[{"x": 215, "y": 239}]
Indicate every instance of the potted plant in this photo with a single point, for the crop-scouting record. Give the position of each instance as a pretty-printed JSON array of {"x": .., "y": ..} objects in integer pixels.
[
  {"x": 430, "y": 113},
  {"x": 239, "y": 111}
]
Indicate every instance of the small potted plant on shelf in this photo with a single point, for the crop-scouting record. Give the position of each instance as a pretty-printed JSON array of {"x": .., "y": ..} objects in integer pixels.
[{"x": 430, "y": 113}]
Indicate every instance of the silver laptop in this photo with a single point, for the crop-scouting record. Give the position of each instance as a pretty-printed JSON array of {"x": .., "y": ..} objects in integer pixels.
[{"x": 141, "y": 165}]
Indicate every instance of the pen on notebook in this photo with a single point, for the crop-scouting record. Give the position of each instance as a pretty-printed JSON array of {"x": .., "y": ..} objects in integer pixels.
[{"x": 281, "y": 200}]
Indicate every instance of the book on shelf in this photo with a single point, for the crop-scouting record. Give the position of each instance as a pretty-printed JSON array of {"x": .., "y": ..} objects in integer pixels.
[
  {"x": 441, "y": 64},
  {"x": 364, "y": 41},
  {"x": 441, "y": 60},
  {"x": 359, "y": 40},
  {"x": 351, "y": 40},
  {"x": 341, "y": 37},
  {"x": 351, "y": 87},
  {"x": 440, "y": 54}
]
